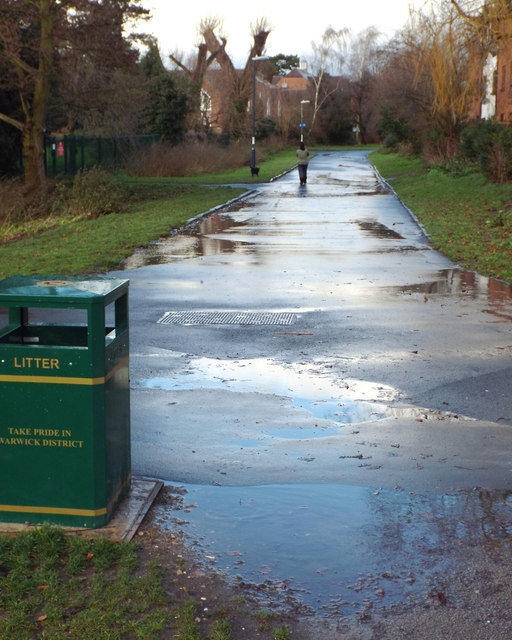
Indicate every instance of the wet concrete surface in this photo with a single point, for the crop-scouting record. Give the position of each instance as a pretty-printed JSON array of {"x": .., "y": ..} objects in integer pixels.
[{"x": 358, "y": 438}]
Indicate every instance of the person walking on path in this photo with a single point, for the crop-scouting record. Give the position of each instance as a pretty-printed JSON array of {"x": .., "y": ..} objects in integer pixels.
[{"x": 302, "y": 163}]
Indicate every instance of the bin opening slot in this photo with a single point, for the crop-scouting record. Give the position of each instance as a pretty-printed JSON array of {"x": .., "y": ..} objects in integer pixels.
[
  {"x": 48, "y": 327},
  {"x": 4, "y": 318},
  {"x": 116, "y": 318},
  {"x": 54, "y": 335}
]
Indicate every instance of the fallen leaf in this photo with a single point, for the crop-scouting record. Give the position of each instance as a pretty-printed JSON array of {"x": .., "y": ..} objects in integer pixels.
[
  {"x": 440, "y": 596},
  {"x": 43, "y": 586},
  {"x": 293, "y": 333},
  {"x": 41, "y": 618}
]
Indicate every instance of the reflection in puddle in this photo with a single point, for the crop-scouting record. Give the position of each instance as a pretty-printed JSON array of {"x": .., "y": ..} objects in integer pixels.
[
  {"x": 337, "y": 548},
  {"x": 336, "y": 401},
  {"x": 463, "y": 283},
  {"x": 190, "y": 242},
  {"x": 379, "y": 230}
]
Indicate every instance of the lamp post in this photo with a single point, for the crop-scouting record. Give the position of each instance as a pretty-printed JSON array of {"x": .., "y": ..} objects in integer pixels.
[
  {"x": 253, "y": 147},
  {"x": 302, "y": 124}
]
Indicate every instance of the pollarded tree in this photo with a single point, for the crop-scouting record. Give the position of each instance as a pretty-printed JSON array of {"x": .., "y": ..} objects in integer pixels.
[
  {"x": 36, "y": 37},
  {"x": 234, "y": 84},
  {"x": 238, "y": 83},
  {"x": 196, "y": 70}
]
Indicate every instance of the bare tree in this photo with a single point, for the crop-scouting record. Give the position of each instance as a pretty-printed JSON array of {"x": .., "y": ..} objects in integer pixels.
[
  {"x": 490, "y": 18},
  {"x": 363, "y": 68},
  {"x": 439, "y": 47},
  {"x": 327, "y": 60}
]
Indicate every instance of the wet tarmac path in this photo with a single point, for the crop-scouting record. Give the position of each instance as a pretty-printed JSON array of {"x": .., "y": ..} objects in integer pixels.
[{"x": 333, "y": 393}]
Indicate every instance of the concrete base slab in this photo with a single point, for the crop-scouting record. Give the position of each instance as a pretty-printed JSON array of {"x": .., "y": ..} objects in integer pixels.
[{"x": 125, "y": 521}]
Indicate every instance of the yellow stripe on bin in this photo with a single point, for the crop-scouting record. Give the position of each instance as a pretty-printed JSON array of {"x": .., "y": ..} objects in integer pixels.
[
  {"x": 63, "y": 511},
  {"x": 54, "y": 510},
  {"x": 63, "y": 380}
]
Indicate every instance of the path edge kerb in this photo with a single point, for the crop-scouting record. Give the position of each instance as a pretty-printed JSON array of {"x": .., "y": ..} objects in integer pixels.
[
  {"x": 409, "y": 211},
  {"x": 247, "y": 194},
  {"x": 251, "y": 192}
]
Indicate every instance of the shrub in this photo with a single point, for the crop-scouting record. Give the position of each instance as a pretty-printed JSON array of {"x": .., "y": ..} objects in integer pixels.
[
  {"x": 164, "y": 160},
  {"x": 490, "y": 145},
  {"x": 16, "y": 207},
  {"x": 92, "y": 194},
  {"x": 502, "y": 218},
  {"x": 265, "y": 128},
  {"x": 394, "y": 131},
  {"x": 406, "y": 148},
  {"x": 458, "y": 166}
]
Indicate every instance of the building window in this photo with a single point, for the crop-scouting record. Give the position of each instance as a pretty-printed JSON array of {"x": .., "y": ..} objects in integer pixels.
[{"x": 206, "y": 108}]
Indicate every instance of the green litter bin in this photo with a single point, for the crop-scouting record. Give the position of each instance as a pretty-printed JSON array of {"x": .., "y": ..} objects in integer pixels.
[{"x": 64, "y": 399}]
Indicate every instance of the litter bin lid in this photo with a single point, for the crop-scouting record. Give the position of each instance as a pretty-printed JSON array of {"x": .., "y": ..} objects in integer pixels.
[{"x": 72, "y": 291}]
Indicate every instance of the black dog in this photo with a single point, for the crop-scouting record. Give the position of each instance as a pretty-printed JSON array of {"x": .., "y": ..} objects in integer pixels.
[{"x": 255, "y": 171}]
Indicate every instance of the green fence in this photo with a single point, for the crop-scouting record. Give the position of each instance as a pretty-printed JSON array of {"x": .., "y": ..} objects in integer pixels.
[{"x": 70, "y": 154}]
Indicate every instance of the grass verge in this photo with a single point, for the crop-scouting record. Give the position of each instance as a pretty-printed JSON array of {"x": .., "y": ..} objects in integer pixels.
[
  {"x": 74, "y": 247},
  {"x": 55, "y": 586},
  {"x": 67, "y": 244},
  {"x": 468, "y": 218}
]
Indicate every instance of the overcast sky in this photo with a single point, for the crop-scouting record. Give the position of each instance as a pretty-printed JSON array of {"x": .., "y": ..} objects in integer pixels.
[{"x": 295, "y": 24}]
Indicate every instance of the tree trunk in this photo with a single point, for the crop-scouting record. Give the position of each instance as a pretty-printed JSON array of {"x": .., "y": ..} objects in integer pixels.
[
  {"x": 35, "y": 115},
  {"x": 33, "y": 159}
]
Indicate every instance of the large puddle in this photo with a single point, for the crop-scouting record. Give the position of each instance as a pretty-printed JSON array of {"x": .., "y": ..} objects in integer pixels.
[
  {"x": 334, "y": 402},
  {"x": 191, "y": 241},
  {"x": 219, "y": 233},
  {"x": 340, "y": 549}
]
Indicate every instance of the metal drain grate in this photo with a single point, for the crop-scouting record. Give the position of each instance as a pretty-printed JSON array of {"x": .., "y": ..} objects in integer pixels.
[{"x": 228, "y": 317}]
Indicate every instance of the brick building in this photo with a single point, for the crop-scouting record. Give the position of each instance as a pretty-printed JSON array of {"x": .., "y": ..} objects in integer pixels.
[
  {"x": 272, "y": 98},
  {"x": 494, "y": 97}
]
